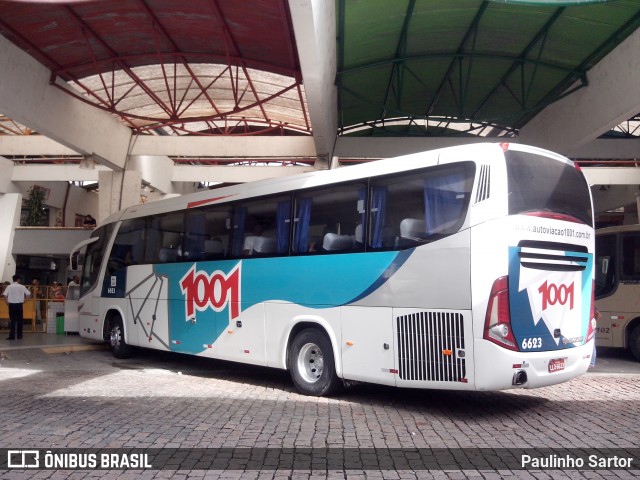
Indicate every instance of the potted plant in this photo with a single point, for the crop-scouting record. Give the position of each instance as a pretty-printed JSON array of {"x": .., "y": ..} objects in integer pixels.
[{"x": 35, "y": 206}]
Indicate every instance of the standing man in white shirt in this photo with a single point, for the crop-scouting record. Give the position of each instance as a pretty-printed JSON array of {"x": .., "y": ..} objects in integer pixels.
[{"x": 15, "y": 295}]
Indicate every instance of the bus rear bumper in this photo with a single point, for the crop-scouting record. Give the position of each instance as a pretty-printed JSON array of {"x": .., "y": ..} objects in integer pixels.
[{"x": 501, "y": 369}]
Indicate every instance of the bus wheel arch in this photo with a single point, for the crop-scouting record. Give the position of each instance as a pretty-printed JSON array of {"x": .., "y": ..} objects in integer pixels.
[
  {"x": 633, "y": 337},
  {"x": 311, "y": 360},
  {"x": 114, "y": 334}
]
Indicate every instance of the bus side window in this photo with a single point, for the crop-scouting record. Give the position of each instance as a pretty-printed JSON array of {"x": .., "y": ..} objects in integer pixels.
[
  {"x": 128, "y": 246},
  {"x": 606, "y": 270},
  {"x": 262, "y": 227},
  {"x": 164, "y": 238},
  {"x": 195, "y": 236},
  {"x": 207, "y": 233},
  {"x": 631, "y": 256},
  {"x": 408, "y": 209},
  {"x": 327, "y": 219}
]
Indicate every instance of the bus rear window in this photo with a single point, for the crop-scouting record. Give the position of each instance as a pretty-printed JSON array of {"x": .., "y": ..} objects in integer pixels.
[{"x": 542, "y": 184}]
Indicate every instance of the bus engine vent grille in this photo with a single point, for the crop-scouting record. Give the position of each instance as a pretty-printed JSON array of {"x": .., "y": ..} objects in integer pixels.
[
  {"x": 431, "y": 347},
  {"x": 484, "y": 184}
]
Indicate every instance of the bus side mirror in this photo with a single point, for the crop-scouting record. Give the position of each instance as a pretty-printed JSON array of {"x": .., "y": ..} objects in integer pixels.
[
  {"x": 605, "y": 265},
  {"x": 74, "y": 261}
]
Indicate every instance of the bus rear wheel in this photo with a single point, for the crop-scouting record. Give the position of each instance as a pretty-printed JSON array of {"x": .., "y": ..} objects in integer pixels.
[
  {"x": 634, "y": 342},
  {"x": 119, "y": 347},
  {"x": 312, "y": 365}
]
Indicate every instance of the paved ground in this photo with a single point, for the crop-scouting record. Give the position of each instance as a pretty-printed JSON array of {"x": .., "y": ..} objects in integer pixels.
[{"x": 64, "y": 396}]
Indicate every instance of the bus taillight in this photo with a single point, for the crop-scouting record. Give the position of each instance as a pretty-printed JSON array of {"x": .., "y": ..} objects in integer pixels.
[
  {"x": 592, "y": 314},
  {"x": 554, "y": 216},
  {"x": 497, "y": 324}
]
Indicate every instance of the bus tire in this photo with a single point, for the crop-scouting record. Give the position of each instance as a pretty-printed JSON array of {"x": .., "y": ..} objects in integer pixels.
[
  {"x": 312, "y": 364},
  {"x": 119, "y": 347},
  {"x": 634, "y": 342}
]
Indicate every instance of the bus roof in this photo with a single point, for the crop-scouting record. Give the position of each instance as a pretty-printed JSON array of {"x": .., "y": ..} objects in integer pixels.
[{"x": 474, "y": 151}]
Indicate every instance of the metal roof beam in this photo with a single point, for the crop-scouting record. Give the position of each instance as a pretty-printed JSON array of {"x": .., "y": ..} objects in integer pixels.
[
  {"x": 220, "y": 147},
  {"x": 55, "y": 173},
  {"x": 389, "y": 147},
  {"x": 183, "y": 146},
  {"x": 300, "y": 147},
  {"x": 607, "y": 148},
  {"x": 612, "y": 175},
  {"x": 396, "y": 68},
  {"x": 181, "y": 173},
  {"x": 538, "y": 40},
  {"x": 471, "y": 31}
]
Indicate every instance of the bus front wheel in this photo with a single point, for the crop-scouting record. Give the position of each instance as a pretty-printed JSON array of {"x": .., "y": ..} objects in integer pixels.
[
  {"x": 311, "y": 363},
  {"x": 119, "y": 347},
  {"x": 634, "y": 342}
]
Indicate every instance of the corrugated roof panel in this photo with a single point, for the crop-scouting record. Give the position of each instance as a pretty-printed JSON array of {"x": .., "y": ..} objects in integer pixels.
[{"x": 493, "y": 62}]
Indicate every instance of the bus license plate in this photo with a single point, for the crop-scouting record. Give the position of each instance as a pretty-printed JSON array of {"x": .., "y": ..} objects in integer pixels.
[{"x": 556, "y": 365}]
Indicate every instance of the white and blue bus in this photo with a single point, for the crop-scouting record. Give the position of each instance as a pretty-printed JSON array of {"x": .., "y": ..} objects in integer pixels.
[{"x": 462, "y": 268}]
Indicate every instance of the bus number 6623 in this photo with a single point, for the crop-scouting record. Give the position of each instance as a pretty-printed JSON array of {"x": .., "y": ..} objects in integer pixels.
[{"x": 530, "y": 343}]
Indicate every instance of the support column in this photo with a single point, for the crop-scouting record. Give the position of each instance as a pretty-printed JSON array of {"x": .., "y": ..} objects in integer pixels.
[
  {"x": 118, "y": 190},
  {"x": 157, "y": 171},
  {"x": 10, "y": 206}
]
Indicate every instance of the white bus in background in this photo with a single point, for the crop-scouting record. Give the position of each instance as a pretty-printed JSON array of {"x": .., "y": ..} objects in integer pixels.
[
  {"x": 618, "y": 287},
  {"x": 463, "y": 268}
]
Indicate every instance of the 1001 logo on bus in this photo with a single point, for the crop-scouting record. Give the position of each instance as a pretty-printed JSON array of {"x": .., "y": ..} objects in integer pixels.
[
  {"x": 216, "y": 291},
  {"x": 553, "y": 294}
]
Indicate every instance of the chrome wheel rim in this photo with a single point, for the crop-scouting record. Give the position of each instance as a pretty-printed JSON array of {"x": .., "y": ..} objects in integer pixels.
[
  {"x": 310, "y": 363},
  {"x": 115, "y": 336}
]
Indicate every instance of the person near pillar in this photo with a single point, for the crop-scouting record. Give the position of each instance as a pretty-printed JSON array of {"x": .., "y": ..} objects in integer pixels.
[
  {"x": 38, "y": 295},
  {"x": 89, "y": 221},
  {"x": 15, "y": 295}
]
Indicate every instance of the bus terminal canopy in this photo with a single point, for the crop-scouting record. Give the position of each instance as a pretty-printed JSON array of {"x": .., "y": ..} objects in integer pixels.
[
  {"x": 405, "y": 67},
  {"x": 477, "y": 67}
]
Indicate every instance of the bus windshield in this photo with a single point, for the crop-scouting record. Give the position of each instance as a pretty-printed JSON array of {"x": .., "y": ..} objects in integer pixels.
[{"x": 539, "y": 183}]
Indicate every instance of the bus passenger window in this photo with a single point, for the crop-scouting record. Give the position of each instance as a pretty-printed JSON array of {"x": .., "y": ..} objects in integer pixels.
[
  {"x": 631, "y": 256},
  {"x": 207, "y": 233},
  {"x": 164, "y": 238},
  {"x": 408, "y": 209},
  {"x": 330, "y": 219},
  {"x": 195, "y": 237},
  {"x": 170, "y": 244},
  {"x": 129, "y": 245},
  {"x": 605, "y": 265},
  {"x": 262, "y": 227}
]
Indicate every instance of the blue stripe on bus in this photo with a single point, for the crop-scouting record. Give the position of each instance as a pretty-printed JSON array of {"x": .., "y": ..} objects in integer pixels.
[{"x": 318, "y": 281}]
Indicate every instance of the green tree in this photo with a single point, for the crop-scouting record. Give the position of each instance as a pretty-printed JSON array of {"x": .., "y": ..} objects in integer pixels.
[{"x": 35, "y": 206}]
